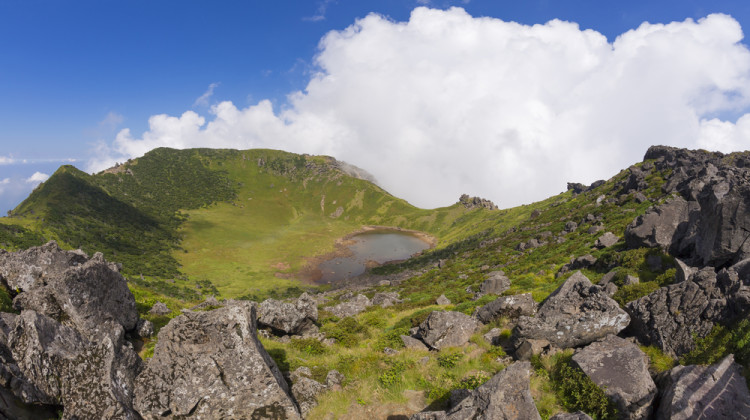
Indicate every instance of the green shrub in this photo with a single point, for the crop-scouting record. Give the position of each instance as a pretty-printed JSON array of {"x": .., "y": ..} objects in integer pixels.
[
  {"x": 632, "y": 292},
  {"x": 577, "y": 392},
  {"x": 393, "y": 375},
  {"x": 473, "y": 381},
  {"x": 720, "y": 342},
  {"x": 660, "y": 362},
  {"x": 390, "y": 338},
  {"x": 449, "y": 359},
  {"x": 347, "y": 332},
  {"x": 309, "y": 346}
]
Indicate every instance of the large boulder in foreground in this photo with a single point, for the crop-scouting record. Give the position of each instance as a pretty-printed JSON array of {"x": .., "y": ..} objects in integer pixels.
[
  {"x": 707, "y": 392},
  {"x": 575, "y": 314},
  {"x": 289, "y": 318},
  {"x": 211, "y": 365},
  {"x": 446, "y": 329},
  {"x": 85, "y": 295},
  {"x": 506, "y": 396},
  {"x": 672, "y": 316},
  {"x": 90, "y": 375},
  {"x": 620, "y": 368}
]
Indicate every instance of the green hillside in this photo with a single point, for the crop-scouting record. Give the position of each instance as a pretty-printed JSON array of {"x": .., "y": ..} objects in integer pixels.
[{"x": 235, "y": 222}]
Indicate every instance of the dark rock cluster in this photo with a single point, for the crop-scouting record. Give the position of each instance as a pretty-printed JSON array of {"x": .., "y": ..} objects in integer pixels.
[{"x": 476, "y": 203}]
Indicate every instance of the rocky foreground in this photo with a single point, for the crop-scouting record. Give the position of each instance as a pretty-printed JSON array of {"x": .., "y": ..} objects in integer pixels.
[{"x": 70, "y": 347}]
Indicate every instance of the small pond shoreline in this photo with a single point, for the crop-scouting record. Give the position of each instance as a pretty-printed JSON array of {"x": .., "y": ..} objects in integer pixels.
[{"x": 312, "y": 274}]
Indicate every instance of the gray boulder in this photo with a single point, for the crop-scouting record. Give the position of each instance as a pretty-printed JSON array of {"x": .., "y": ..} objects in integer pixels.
[
  {"x": 413, "y": 343},
  {"x": 505, "y": 396},
  {"x": 91, "y": 376},
  {"x": 442, "y": 300},
  {"x": 24, "y": 270},
  {"x": 661, "y": 226},
  {"x": 620, "y": 368},
  {"x": 306, "y": 391},
  {"x": 160, "y": 308},
  {"x": 671, "y": 316},
  {"x": 573, "y": 315},
  {"x": 584, "y": 261},
  {"x": 211, "y": 365},
  {"x": 351, "y": 307},
  {"x": 289, "y": 318},
  {"x": 506, "y": 306},
  {"x": 385, "y": 299},
  {"x": 496, "y": 283},
  {"x": 84, "y": 295},
  {"x": 707, "y": 392},
  {"x": 606, "y": 240},
  {"x": 144, "y": 328},
  {"x": 446, "y": 329}
]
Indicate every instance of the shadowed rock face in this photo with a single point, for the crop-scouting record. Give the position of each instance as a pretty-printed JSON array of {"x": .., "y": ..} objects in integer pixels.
[
  {"x": 576, "y": 313},
  {"x": 709, "y": 225},
  {"x": 211, "y": 365},
  {"x": 620, "y": 368},
  {"x": 672, "y": 315},
  {"x": 708, "y": 392}
]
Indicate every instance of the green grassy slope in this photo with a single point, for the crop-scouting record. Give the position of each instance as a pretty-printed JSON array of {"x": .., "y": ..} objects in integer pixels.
[{"x": 244, "y": 221}]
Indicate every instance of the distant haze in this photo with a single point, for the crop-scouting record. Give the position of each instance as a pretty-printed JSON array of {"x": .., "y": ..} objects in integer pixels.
[{"x": 447, "y": 103}]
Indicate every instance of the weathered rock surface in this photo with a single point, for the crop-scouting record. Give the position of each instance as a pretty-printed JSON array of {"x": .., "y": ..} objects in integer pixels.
[
  {"x": 507, "y": 306},
  {"x": 90, "y": 376},
  {"x": 620, "y": 368},
  {"x": 289, "y": 318},
  {"x": 584, "y": 261},
  {"x": 578, "y": 415},
  {"x": 707, "y": 392},
  {"x": 24, "y": 270},
  {"x": 413, "y": 343},
  {"x": 606, "y": 240},
  {"x": 573, "y": 315},
  {"x": 306, "y": 391},
  {"x": 385, "y": 299},
  {"x": 160, "y": 308},
  {"x": 351, "y": 307},
  {"x": 505, "y": 396},
  {"x": 476, "y": 202},
  {"x": 211, "y": 365},
  {"x": 446, "y": 329},
  {"x": 670, "y": 316},
  {"x": 708, "y": 224},
  {"x": 86, "y": 295},
  {"x": 442, "y": 300},
  {"x": 495, "y": 283}
]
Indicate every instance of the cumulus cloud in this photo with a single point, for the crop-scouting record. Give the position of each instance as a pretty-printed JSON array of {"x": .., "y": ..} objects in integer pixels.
[
  {"x": 37, "y": 178},
  {"x": 447, "y": 103},
  {"x": 203, "y": 99}
]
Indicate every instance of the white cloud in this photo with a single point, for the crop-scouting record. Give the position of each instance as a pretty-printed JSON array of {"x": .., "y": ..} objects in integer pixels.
[
  {"x": 37, "y": 178},
  {"x": 203, "y": 99},
  {"x": 5, "y": 160},
  {"x": 112, "y": 120},
  {"x": 447, "y": 103},
  {"x": 5, "y": 181},
  {"x": 320, "y": 13}
]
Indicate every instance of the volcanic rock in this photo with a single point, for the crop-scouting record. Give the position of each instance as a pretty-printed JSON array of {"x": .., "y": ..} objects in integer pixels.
[
  {"x": 446, "y": 329},
  {"x": 506, "y": 306},
  {"x": 351, "y": 307},
  {"x": 289, "y": 318}
]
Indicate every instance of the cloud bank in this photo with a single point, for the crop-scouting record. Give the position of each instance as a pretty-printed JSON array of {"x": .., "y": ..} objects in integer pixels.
[{"x": 447, "y": 103}]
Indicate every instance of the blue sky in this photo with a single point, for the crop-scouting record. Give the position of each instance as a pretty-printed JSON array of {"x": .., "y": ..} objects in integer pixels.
[{"x": 73, "y": 74}]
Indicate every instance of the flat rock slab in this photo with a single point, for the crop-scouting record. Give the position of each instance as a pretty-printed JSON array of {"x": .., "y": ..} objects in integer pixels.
[
  {"x": 704, "y": 392},
  {"x": 620, "y": 368}
]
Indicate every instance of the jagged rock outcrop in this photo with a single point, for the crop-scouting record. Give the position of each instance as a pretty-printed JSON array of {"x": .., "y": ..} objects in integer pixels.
[
  {"x": 575, "y": 314},
  {"x": 505, "y": 396},
  {"x": 24, "y": 270},
  {"x": 90, "y": 376},
  {"x": 506, "y": 306},
  {"x": 620, "y": 368},
  {"x": 446, "y": 329},
  {"x": 160, "y": 308},
  {"x": 289, "y": 318},
  {"x": 211, "y": 365},
  {"x": 709, "y": 224},
  {"x": 476, "y": 202},
  {"x": 351, "y": 307},
  {"x": 86, "y": 294},
  {"x": 707, "y": 392},
  {"x": 672, "y": 315}
]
